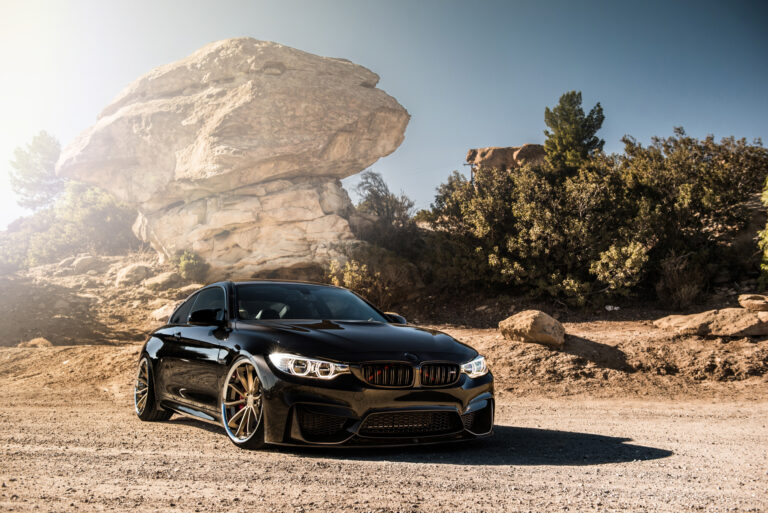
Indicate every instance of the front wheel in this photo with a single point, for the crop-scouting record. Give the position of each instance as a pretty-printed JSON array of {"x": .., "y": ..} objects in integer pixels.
[
  {"x": 144, "y": 394},
  {"x": 242, "y": 411}
]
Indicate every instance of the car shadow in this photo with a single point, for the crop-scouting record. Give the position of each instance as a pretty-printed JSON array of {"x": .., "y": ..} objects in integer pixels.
[
  {"x": 602, "y": 355},
  {"x": 508, "y": 446}
]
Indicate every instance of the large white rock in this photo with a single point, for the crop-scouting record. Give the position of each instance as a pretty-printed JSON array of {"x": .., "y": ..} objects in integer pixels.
[{"x": 236, "y": 152}]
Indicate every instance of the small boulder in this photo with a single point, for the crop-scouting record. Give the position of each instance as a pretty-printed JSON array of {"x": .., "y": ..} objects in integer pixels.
[
  {"x": 36, "y": 342},
  {"x": 66, "y": 263},
  {"x": 132, "y": 274},
  {"x": 533, "y": 326},
  {"x": 87, "y": 263},
  {"x": 164, "y": 312},
  {"x": 754, "y": 302},
  {"x": 727, "y": 322},
  {"x": 163, "y": 281}
]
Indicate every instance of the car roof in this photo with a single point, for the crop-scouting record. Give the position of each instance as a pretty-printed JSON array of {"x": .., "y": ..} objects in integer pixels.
[{"x": 260, "y": 281}]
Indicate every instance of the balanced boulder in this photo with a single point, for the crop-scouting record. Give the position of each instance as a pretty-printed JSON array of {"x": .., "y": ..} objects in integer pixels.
[
  {"x": 236, "y": 153},
  {"x": 533, "y": 326}
]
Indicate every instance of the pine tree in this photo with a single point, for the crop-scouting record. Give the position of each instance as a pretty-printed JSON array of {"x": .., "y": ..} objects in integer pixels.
[
  {"x": 572, "y": 139},
  {"x": 33, "y": 177}
]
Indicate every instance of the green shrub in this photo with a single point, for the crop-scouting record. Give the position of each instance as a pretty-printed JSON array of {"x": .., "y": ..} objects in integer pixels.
[
  {"x": 763, "y": 242},
  {"x": 71, "y": 217},
  {"x": 191, "y": 267},
  {"x": 379, "y": 275},
  {"x": 33, "y": 175},
  {"x": 613, "y": 225},
  {"x": 84, "y": 219},
  {"x": 358, "y": 278},
  {"x": 392, "y": 226},
  {"x": 621, "y": 267}
]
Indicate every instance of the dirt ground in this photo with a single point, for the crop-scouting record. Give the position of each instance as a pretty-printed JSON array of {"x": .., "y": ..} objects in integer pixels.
[
  {"x": 626, "y": 417},
  {"x": 640, "y": 440}
]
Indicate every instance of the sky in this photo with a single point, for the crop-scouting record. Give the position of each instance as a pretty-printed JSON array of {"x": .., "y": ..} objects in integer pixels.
[{"x": 471, "y": 73}]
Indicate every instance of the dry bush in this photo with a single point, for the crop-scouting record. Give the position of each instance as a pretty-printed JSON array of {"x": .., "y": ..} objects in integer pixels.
[{"x": 682, "y": 281}]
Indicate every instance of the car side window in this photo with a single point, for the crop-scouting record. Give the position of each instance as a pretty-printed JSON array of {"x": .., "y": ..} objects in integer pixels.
[
  {"x": 211, "y": 299},
  {"x": 182, "y": 313}
]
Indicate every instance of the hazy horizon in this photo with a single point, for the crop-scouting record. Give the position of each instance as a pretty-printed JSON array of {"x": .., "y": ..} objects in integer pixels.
[{"x": 471, "y": 75}]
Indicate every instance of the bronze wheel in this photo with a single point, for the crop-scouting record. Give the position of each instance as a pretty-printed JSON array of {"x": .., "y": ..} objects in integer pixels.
[
  {"x": 141, "y": 389},
  {"x": 241, "y": 407},
  {"x": 144, "y": 394}
]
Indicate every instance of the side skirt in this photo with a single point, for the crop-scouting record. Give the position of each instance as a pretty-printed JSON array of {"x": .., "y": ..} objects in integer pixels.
[{"x": 190, "y": 412}]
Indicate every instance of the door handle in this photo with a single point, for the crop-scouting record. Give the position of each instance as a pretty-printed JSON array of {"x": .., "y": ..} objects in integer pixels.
[{"x": 177, "y": 336}]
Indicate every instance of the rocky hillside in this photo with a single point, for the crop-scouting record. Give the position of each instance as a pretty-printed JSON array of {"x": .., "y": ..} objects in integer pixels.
[{"x": 89, "y": 300}]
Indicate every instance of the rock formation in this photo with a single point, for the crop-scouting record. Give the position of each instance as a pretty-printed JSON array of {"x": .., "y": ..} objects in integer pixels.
[
  {"x": 726, "y": 322},
  {"x": 508, "y": 158},
  {"x": 236, "y": 153},
  {"x": 533, "y": 326},
  {"x": 754, "y": 302}
]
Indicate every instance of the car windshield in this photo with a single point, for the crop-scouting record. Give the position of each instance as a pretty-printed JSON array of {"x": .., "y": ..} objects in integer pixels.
[{"x": 276, "y": 301}]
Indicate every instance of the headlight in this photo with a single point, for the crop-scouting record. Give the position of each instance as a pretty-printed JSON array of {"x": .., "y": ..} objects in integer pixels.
[
  {"x": 307, "y": 367},
  {"x": 475, "y": 368}
]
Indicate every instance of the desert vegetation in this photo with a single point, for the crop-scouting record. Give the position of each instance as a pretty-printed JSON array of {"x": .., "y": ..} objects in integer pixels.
[
  {"x": 69, "y": 217},
  {"x": 661, "y": 222}
]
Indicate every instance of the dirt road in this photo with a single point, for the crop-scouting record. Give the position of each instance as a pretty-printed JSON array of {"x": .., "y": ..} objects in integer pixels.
[{"x": 75, "y": 445}]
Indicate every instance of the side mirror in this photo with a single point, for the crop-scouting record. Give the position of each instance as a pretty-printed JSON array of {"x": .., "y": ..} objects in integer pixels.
[
  {"x": 209, "y": 317},
  {"x": 395, "y": 318}
]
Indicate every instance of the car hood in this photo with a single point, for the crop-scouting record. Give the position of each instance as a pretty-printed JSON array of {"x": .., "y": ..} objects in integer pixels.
[{"x": 356, "y": 341}]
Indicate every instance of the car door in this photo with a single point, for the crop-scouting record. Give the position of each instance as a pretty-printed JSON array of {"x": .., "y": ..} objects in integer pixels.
[
  {"x": 193, "y": 354},
  {"x": 166, "y": 383}
]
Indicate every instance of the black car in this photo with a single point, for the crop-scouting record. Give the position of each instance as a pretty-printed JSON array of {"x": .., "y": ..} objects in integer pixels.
[{"x": 295, "y": 363}]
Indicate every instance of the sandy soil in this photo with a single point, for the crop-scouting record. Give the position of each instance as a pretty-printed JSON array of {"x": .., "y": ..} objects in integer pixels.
[{"x": 70, "y": 442}]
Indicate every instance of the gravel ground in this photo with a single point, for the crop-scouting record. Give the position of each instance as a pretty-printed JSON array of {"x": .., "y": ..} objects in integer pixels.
[{"x": 90, "y": 453}]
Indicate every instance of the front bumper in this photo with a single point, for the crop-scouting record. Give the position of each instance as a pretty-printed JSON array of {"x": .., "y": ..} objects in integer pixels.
[{"x": 348, "y": 412}]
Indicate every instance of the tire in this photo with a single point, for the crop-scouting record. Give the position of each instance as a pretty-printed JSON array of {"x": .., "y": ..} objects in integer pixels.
[
  {"x": 242, "y": 408},
  {"x": 144, "y": 394}
]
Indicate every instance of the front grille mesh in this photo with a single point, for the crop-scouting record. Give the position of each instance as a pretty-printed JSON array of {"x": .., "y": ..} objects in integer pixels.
[
  {"x": 388, "y": 374},
  {"x": 468, "y": 419},
  {"x": 319, "y": 424},
  {"x": 439, "y": 374},
  {"x": 410, "y": 423}
]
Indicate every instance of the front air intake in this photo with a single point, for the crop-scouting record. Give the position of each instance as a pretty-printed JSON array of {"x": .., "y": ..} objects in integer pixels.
[{"x": 411, "y": 423}]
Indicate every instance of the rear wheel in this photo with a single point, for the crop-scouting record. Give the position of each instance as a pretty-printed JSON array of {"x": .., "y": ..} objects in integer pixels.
[
  {"x": 242, "y": 411},
  {"x": 144, "y": 394}
]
